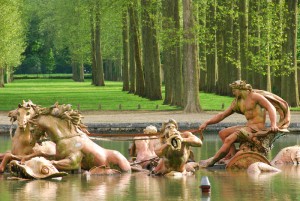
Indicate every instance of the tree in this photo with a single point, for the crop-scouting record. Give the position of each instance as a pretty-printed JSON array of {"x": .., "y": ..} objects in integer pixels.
[
  {"x": 139, "y": 76},
  {"x": 291, "y": 81},
  {"x": 125, "y": 40},
  {"x": 211, "y": 56},
  {"x": 191, "y": 67},
  {"x": 98, "y": 76},
  {"x": 12, "y": 43},
  {"x": 151, "y": 55},
  {"x": 172, "y": 56}
]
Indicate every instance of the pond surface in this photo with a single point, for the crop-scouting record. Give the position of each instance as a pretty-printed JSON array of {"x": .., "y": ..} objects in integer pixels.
[{"x": 225, "y": 185}]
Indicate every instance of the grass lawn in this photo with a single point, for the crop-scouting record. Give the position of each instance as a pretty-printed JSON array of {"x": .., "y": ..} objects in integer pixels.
[{"x": 46, "y": 92}]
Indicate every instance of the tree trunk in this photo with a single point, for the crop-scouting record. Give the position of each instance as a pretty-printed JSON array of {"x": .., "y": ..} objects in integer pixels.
[
  {"x": 177, "y": 74},
  {"x": 125, "y": 39},
  {"x": 254, "y": 47},
  {"x": 77, "y": 71},
  {"x": 81, "y": 72},
  {"x": 191, "y": 68},
  {"x": 9, "y": 74},
  {"x": 202, "y": 45},
  {"x": 147, "y": 42},
  {"x": 243, "y": 17},
  {"x": 140, "y": 82},
  {"x": 224, "y": 40},
  {"x": 132, "y": 65},
  {"x": 2, "y": 77},
  {"x": 211, "y": 58},
  {"x": 167, "y": 25},
  {"x": 236, "y": 48},
  {"x": 93, "y": 48},
  {"x": 99, "y": 76},
  {"x": 291, "y": 32},
  {"x": 157, "y": 81}
]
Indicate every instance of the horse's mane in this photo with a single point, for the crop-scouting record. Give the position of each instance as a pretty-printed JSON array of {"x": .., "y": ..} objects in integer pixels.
[{"x": 64, "y": 112}]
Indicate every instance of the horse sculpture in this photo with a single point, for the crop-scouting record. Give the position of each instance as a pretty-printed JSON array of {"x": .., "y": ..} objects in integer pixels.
[
  {"x": 21, "y": 146},
  {"x": 74, "y": 149}
]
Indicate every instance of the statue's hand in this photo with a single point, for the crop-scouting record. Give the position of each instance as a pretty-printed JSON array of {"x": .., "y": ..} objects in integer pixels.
[
  {"x": 179, "y": 137},
  {"x": 175, "y": 142},
  {"x": 23, "y": 159},
  {"x": 274, "y": 129},
  {"x": 53, "y": 162},
  {"x": 202, "y": 127}
]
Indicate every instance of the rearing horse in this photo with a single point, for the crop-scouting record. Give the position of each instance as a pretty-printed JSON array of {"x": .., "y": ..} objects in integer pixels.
[
  {"x": 74, "y": 149},
  {"x": 21, "y": 141}
]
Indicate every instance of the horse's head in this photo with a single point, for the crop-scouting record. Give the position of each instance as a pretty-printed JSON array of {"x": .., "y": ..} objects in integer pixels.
[{"x": 24, "y": 113}]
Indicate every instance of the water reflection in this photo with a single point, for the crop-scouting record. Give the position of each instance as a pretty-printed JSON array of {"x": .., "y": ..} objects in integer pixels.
[
  {"x": 225, "y": 185},
  {"x": 33, "y": 190}
]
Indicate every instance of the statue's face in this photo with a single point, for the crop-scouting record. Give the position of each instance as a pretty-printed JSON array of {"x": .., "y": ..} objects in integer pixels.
[
  {"x": 23, "y": 116},
  {"x": 236, "y": 92},
  {"x": 170, "y": 129}
]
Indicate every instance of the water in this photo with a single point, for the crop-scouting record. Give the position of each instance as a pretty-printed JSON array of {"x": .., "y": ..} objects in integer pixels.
[{"x": 225, "y": 185}]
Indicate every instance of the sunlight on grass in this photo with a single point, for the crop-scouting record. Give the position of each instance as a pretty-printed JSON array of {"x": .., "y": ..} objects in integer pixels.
[{"x": 83, "y": 95}]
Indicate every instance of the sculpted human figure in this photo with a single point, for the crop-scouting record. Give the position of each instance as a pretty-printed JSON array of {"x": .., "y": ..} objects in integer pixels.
[
  {"x": 143, "y": 149},
  {"x": 288, "y": 155},
  {"x": 254, "y": 107},
  {"x": 174, "y": 149}
]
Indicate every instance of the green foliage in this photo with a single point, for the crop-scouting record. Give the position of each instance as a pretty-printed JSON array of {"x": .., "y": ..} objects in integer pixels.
[{"x": 12, "y": 41}]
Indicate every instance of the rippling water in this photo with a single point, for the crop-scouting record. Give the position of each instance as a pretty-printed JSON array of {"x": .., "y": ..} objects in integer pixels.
[{"x": 225, "y": 185}]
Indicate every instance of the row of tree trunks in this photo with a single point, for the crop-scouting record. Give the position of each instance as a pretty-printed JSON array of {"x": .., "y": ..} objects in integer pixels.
[
  {"x": 112, "y": 69},
  {"x": 238, "y": 43},
  {"x": 250, "y": 40}
]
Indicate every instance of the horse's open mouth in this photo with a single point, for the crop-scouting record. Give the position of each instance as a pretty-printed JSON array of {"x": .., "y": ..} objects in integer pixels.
[
  {"x": 18, "y": 171},
  {"x": 35, "y": 168}
]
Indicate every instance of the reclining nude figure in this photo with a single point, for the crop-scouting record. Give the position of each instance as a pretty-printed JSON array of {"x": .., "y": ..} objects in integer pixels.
[
  {"x": 254, "y": 105},
  {"x": 74, "y": 149},
  {"x": 174, "y": 149},
  {"x": 143, "y": 149},
  {"x": 21, "y": 146}
]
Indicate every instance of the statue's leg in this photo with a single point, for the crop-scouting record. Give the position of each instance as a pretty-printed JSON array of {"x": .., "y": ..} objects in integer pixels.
[
  {"x": 6, "y": 159},
  {"x": 73, "y": 162},
  {"x": 160, "y": 169},
  {"x": 223, "y": 151},
  {"x": 224, "y": 133},
  {"x": 2, "y": 156},
  {"x": 117, "y": 158}
]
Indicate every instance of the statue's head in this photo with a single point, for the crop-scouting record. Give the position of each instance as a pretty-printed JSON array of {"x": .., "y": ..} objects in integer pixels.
[
  {"x": 24, "y": 113},
  {"x": 169, "y": 128},
  {"x": 241, "y": 85},
  {"x": 150, "y": 130}
]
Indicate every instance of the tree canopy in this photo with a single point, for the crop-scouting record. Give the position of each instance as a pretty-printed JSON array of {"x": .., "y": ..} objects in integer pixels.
[{"x": 188, "y": 45}]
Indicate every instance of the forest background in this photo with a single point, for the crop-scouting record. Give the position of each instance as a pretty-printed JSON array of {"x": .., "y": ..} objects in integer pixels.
[{"x": 189, "y": 46}]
